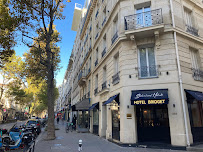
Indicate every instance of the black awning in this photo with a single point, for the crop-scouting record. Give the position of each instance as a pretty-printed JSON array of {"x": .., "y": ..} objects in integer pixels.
[
  {"x": 196, "y": 94},
  {"x": 149, "y": 97},
  {"x": 111, "y": 99},
  {"x": 83, "y": 105},
  {"x": 95, "y": 105}
]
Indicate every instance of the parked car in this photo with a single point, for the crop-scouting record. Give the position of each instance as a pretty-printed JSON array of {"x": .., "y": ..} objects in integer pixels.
[{"x": 34, "y": 123}]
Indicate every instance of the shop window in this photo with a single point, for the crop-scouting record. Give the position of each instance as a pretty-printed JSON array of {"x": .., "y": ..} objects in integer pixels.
[
  {"x": 196, "y": 113},
  {"x": 147, "y": 63}
]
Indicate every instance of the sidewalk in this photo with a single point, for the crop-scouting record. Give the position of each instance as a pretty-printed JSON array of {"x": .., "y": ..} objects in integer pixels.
[{"x": 68, "y": 142}]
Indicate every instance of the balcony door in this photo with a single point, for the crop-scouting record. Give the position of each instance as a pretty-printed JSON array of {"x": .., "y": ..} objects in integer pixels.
[{"x": 143, "y": 17}]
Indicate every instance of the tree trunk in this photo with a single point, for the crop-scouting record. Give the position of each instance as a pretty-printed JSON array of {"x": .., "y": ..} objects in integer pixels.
[{"x": 50, "y": 92}]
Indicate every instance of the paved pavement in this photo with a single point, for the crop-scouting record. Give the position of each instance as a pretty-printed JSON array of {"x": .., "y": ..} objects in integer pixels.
[{"x": 68, "y": 142}]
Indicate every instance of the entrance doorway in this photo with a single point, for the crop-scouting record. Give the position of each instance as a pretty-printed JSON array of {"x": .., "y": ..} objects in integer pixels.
[
  {"x": 95, "y": 121},
  {"x": 116, "y": 124},
  {"x": 153, "y": 123}
]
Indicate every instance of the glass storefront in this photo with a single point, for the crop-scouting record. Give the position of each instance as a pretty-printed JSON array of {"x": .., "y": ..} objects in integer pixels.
[
  {"x": 195, "y": 109},
  {"x": 83, "y": 119},
  {"x": 153, "y": 123}
]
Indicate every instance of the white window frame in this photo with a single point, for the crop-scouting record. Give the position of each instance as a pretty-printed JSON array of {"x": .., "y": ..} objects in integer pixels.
[{"x": 148, "y": 76}]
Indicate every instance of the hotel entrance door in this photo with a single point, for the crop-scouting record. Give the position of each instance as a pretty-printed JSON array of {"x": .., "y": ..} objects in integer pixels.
[{"x": 153, "y": 123}]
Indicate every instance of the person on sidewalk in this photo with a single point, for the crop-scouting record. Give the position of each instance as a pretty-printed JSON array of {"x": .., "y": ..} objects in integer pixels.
[
  {"x": 74, "y": 122},
  {"x": 57, "y": 120}
]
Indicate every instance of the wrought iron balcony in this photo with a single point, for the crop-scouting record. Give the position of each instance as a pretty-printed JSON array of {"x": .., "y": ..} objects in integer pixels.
[
  {"x": 104, "y": 21},
  {"x": 83, "y": 73},
  {"x": 114, "y": 38},
  {"x": 141, "y": 20},
  {"x": 192, "y": 30},
  {"x": 104, "y": 52},
  {"x": 96, "y": 62},
  {"x": 95, "y": 91},
  {"x": 116, "y": 78},
  {"x": 151, "y": 71},
  {"x": 104, "y": 86},
  {"x": 197, "y": 74}
]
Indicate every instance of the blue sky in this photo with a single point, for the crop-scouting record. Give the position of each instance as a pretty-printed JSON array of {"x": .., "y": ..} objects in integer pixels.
[{"x": 68, "y": 37}]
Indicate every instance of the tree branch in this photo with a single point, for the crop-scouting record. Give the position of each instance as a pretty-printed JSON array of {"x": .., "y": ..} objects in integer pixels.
[{"x": 43, "y": 17}]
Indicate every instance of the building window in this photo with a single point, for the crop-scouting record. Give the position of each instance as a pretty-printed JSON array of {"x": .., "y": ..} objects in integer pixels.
[
  {"x": 104, "y": 78},
  {"x": 189, "y": 20},
  {"x": 104, "y": 16},
  {"x": 116, "y": 77},
  {"x": 96, "y": 85},
  {"x": 147, "y": 63},
  {"x": 96, "y": 56},
  {"x": 196, "y": 64},
  {"x": 115, "y": 29},
  {"x": 104, "y": 45},
  {"x": 89, "y": 86}
]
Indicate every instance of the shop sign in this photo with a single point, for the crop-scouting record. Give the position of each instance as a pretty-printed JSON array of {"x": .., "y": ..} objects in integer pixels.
[
  {"x": 129, "y": 116},
  {"x": 149, "y": 97}
]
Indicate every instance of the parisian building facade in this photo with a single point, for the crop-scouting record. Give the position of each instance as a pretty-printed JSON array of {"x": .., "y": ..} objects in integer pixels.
[{"x": 136, "y": 70}]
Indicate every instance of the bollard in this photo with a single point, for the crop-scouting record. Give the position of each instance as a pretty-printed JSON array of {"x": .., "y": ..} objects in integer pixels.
[{"x": 80, "y": 145}]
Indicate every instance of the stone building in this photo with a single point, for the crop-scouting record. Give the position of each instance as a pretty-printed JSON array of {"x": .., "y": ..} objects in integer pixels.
[{"x": 138, "y": 70}]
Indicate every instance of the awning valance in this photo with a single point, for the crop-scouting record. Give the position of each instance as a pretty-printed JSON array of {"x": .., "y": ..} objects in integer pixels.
[
  {"x": 196, "y": 94},
  {"x": 111, "y": 99},
  {"x": 149, "y": 97},
  {"x": 83, "y": 105},
  {"x": 95, "y": 105}
]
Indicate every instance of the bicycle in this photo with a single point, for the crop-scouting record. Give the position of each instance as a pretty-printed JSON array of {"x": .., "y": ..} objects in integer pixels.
[{"x": 69, "y": 127}]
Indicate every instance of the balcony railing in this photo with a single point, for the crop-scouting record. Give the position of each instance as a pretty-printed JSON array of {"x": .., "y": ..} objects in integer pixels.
[
  {"x": 114, "y": 37},
  {"x": 104, "y": 21},
  {"x": 95, "y": 91},
  {"x": 115, "y": 78},
  {"x": 96, "y": 62},
  {"x": 197, "y": 74},
  {"x": 148, "y": 71},
  {"x": 104, "y": 86},
  {"x": 192, "y": 30},
  {"x": 104, "y": 52},
  {"x": 146, "y": 19},
  {"x": 83, "y": 73}
]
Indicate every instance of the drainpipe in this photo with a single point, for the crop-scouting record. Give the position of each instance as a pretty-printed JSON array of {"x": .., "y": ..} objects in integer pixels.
[{"x": 180, "y": 76}]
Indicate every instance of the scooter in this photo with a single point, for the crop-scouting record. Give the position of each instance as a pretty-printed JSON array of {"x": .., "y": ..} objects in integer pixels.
[
  {"x": 16, "y": 139},
  {"x": 1, "y": 145}
]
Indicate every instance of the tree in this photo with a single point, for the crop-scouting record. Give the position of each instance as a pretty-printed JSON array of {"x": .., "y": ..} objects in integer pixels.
[
  {"x": 8, "y": 24},
  {"x": 43, "y": 12}
]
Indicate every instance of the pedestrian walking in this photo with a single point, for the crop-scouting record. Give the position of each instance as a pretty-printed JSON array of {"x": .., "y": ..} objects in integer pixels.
[
  {"x": 57, "y": 120},
  {"x": 74, "y": 122}
]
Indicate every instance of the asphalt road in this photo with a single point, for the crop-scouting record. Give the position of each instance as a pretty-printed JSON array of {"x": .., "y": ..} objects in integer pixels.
[{"x": 10, "y": 125}]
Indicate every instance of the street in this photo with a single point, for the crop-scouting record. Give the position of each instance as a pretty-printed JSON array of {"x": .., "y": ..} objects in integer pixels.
[
  {"x": 90, "y": 143},
  {"x": 10, "y": 125}
]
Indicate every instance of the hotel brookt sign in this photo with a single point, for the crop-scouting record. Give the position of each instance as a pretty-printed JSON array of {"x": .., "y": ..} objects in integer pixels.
[{"x": 149, "y": 97}]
